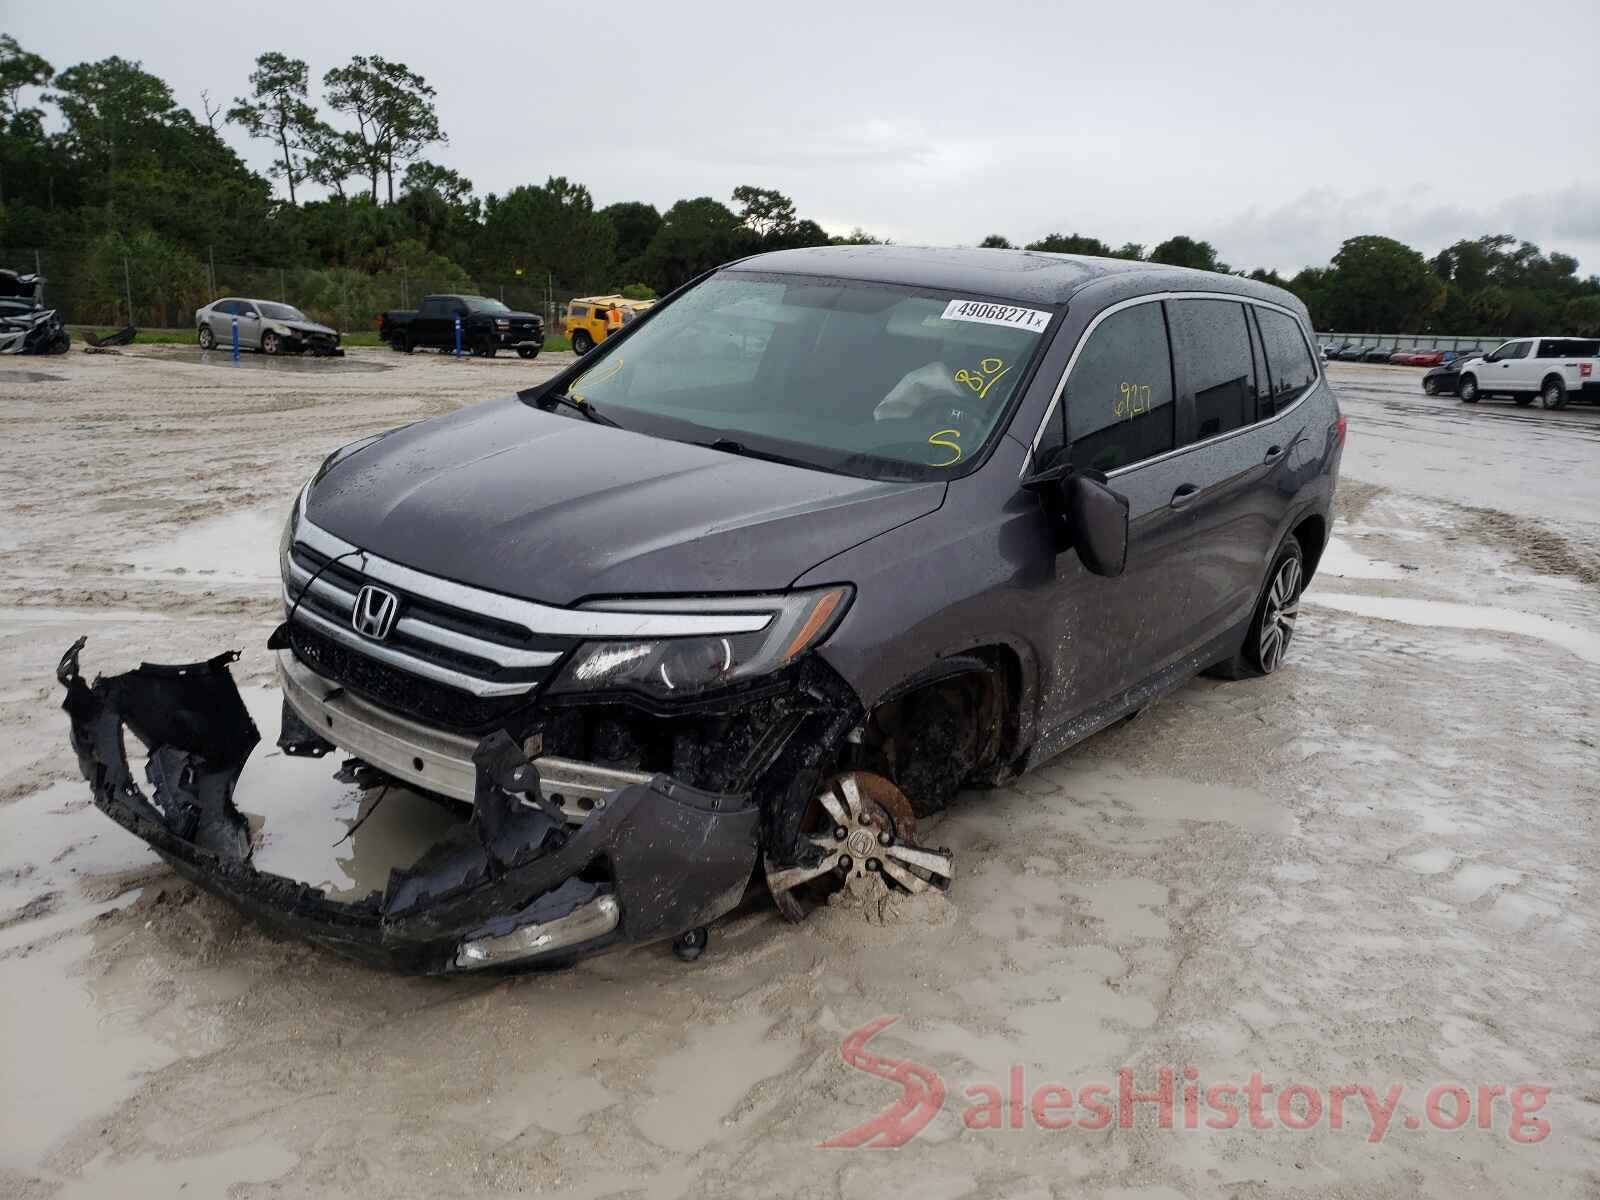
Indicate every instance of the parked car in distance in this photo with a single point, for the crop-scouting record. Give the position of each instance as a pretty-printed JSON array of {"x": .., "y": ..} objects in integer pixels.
[
  {"x": 487, "y": 326},
  {"x": 264, "y": 325},
  {"x": 1552, "y": 369},
  {"x": 1442, "y": 379},
  {"x": 590, "y": 320},
  {"x": 26, "y": 325},
  {"x": 833, "y": 534},
  {"x": 1403, "y": 358},
  {"x": 1427, "y": 358},
  {"x": 1352, "y": 352},
  {"x": 1378, "y": 354}
]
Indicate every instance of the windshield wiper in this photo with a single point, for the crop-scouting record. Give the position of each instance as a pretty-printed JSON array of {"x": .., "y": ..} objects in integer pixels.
[
  {"x": 729, "y": 446},
  {"x": 572, "y": 402}
]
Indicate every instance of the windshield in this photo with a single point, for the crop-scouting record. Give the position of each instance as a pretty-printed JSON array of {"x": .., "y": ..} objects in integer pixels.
[
  {"x": 483, "y": 304},
  {"x": 280, "y": 312},
  {"x": 865, "y": 379}
]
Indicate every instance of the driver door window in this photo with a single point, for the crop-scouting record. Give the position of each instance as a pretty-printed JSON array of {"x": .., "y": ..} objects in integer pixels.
[{"x": 1118, "y": 402}]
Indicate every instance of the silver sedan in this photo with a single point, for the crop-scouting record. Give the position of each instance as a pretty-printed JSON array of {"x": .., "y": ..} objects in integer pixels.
[{"x": 264, "y": 325}]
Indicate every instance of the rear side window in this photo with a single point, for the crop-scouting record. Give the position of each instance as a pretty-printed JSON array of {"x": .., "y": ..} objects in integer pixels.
[
  {"x": 1569, "y": 348},
  {"x": 578, "y": 310},
  {"x": 1290, "y": 368},
  {"x": 1211, "y": 346},
  {"x": 1118, "y": 400}
]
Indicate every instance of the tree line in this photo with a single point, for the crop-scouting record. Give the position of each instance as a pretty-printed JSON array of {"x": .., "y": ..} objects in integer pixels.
[{"x": 126, "y": 170}]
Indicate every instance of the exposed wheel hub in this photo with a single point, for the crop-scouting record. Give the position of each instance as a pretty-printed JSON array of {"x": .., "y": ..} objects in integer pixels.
[{"x": 863, "y": 825}]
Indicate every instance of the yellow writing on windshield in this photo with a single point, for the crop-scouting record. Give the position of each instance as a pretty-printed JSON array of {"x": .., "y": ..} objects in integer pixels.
[
  {"x": 948, "y": 439},
  {"x": 989, "y": 372}
]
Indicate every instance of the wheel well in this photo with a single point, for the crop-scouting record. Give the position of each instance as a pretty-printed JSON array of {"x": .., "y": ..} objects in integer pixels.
[
  {"x": 950, "y": 725},
  {"x": 1556, "y": 375},
  {"x": 1312, "y": 534}
]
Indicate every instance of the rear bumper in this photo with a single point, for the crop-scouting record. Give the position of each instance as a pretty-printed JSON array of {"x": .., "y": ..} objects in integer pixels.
[{"x": 516, "y": 886}]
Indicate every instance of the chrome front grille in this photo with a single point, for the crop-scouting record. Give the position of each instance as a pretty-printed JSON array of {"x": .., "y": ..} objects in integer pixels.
[
  {"x": 484, "y": 643},
  {"x": 433, "y": 641}
]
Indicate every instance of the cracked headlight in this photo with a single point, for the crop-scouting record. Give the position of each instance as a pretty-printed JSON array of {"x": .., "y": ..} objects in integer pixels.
[{"x": 672, "y": 667}]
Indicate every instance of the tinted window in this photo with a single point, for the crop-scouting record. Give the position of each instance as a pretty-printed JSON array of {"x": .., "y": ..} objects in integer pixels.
[
  {"x": 1211, "y": 346},
  {"x": 1513, "y": 350},
  {"x": 227, "y": 308},
  {"x": 1569, "y": 348},
  {"x": 433, "y": 306},
  {"x": 1290, "y": 368},
  {"x": 1118, "y": 400}
]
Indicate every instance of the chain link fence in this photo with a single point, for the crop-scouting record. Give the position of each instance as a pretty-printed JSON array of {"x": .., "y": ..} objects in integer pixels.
[{"x": 159, "y": 289}]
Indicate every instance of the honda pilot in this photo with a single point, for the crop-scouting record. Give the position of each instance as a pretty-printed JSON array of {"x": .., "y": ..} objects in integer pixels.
[{"x": 753, "y": 589}]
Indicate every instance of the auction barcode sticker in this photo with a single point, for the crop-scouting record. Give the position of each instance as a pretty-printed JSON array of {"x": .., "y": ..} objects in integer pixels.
[{"x": 1032, "y": 319}]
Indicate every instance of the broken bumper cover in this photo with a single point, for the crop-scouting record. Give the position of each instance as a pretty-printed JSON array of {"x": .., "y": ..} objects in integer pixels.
[{"x": 515, "y": 886}]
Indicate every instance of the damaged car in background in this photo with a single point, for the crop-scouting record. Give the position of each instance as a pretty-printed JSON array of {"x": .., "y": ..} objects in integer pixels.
[
  {"x": 752, "y": 591},
  {"x": 26, "y": 325}
]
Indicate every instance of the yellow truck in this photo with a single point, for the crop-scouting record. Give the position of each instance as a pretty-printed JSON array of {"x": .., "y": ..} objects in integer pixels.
[{"x": 592, "y": 319}]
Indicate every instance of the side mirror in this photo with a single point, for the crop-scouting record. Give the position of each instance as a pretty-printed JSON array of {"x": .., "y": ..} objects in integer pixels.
[
  {"x": 1491, "y": 358},
  {"x": 1087, "y": 516}
]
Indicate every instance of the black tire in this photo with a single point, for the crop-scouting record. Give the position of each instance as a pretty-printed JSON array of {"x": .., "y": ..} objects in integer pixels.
[
  {"x": 1522, "y": 401},
  {"x": 400, "y": 343},
  {"x": 1553, "y": 392},
  {"x": 484, "y": 348},
  {"x": 1467, "y": 390},
  {"x": 1280, "y": 604},
  {"x": 528, "y": 351},
  {"x": 582, "y": 343},
  {"x": 61, "y": 343},
  {"x": 271, "y": 343},
  {"x": 1430, "y": 386},
  {"x": 208, "y": 339}
]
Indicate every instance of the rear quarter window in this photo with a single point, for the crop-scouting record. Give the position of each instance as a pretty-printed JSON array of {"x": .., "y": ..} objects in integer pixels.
[{"x": 1291, "y": 369}]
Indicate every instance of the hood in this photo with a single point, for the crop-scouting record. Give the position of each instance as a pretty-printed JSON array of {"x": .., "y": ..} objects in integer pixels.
[
  {"x": 514, "y": 316},
  {"x": 304, "y": 327},
  {"x": 558, "y": 509}
]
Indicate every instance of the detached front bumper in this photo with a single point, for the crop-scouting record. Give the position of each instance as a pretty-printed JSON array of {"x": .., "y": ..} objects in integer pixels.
[{"x": 516, "y": 886}]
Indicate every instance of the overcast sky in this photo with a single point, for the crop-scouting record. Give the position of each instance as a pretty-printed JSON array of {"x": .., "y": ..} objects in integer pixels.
[{"x": 1273, "y": 133}]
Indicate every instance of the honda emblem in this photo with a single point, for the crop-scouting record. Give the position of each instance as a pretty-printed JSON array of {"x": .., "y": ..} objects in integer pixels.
[{"x": 374, "y": 612}]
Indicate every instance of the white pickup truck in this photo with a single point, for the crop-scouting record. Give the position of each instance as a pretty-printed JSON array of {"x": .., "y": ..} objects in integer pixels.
[{"x": 1555, "y": 369}]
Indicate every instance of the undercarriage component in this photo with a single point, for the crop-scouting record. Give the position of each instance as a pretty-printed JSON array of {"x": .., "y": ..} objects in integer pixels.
[
  {"x": 860, "y": 825},
  {"x": 516, "y": 885}
]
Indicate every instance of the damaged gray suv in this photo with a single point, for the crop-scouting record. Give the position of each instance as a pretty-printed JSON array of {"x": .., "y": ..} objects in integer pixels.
[{"x": 823, "y": 538}]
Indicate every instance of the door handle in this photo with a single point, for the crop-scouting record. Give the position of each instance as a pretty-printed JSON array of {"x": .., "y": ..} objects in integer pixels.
[
  {"x": 1274, "y": 453},
  {"x": 1184, "y": 493}
]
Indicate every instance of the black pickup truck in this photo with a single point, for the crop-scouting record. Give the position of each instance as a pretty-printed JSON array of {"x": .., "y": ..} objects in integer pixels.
[{"x": 486, "y": 326}]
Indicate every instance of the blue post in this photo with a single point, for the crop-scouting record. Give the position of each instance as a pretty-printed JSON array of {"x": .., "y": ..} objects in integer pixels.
[
  {"x": 235, "y": 339},
  {"x": 458, "y": 336}
]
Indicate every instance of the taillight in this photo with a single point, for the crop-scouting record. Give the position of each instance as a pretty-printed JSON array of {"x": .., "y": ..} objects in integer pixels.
[
  {"x": 1339, "y": 428},
  {"x": 1585, "y": 370}
]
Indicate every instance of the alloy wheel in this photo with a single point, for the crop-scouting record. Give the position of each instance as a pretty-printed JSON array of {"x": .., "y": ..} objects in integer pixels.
[
  {"x": 862, "y": 825},
  {"x": 1279, "y": 615}
]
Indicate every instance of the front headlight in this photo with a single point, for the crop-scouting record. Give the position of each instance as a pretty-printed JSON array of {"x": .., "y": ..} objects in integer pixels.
[
  {"x": 290, "y": 527},
  {"x": 669, "y": 668}
]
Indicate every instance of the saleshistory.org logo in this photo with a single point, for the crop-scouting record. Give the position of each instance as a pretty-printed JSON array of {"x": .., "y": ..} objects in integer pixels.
[{"x": 1176, "y": 1098}]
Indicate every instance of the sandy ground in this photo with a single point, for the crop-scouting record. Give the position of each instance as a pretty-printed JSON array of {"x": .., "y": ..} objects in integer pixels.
[{"x": 1378, "y": 867}]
